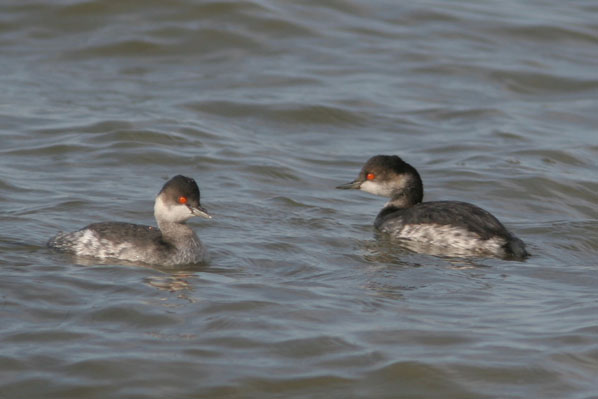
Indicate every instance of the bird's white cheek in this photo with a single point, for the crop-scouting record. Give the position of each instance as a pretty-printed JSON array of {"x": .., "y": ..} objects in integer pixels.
[
  {"x": 375, "y": 188},
  {"x": 173, "y": 213}
]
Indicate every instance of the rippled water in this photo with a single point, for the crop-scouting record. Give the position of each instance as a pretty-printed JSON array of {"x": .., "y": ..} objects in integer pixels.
[{"x": 269, "y": 105}]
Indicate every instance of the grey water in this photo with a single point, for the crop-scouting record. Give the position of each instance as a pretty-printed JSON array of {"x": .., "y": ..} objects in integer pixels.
[{"x": 269, "y": 105}]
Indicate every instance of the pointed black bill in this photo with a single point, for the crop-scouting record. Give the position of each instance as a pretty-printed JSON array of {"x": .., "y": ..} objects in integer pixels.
[
  {"x": 200, "y": 211},
  {"x": 355, "y": 184}
]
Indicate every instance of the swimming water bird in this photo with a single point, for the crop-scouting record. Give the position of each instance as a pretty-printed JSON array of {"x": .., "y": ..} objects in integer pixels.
[
  {"x": 439, "y": 227},
  {"x": 172, "y": 243}
]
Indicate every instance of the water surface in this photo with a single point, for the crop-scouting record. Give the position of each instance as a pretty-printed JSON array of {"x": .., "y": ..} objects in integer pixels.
[{"x": 269, "y": 105}]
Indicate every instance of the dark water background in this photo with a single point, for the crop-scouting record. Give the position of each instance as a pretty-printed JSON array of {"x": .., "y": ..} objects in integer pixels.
[{"x": 269, "y": 105}]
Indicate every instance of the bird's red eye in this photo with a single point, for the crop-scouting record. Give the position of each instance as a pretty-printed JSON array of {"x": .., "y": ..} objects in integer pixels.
[
  {"x": 182, "y": 200},
  {"x": 370, "y": 176}
]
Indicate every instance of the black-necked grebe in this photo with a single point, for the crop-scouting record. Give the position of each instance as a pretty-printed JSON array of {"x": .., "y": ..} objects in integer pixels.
[
  {"x": 173, "y": 243},
  {"x": 459, "y": 227}
]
